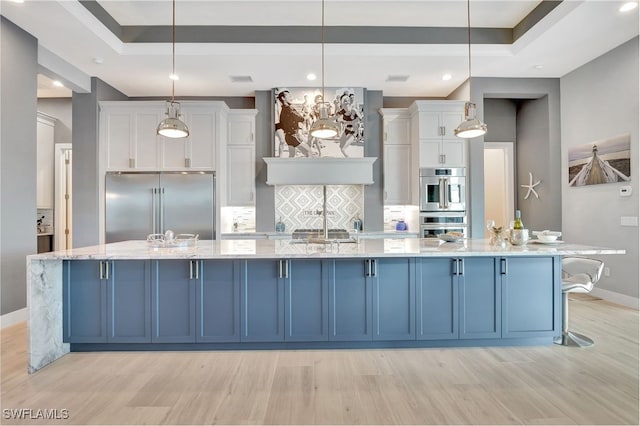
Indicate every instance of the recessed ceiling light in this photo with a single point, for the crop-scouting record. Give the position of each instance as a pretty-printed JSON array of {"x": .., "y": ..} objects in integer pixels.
[
  {"x": 628, "y": 6},
  {"x": 174, "y": 77},
  {"x": 17, "y": 1},
  {"x": 57, "y": 83},
  {"x": 538, "y": 67},
  {"x": 98, "y": 60},
  {"x": 311, "y": 76},
  {"x": 446, "y": 77}
]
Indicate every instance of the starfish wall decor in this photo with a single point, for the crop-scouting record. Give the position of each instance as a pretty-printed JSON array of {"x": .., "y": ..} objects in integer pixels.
[{"x": 530, "y": 187}]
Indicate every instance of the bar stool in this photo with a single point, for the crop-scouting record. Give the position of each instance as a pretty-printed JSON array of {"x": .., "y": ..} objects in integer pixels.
[{"x": 579, "y": 274}]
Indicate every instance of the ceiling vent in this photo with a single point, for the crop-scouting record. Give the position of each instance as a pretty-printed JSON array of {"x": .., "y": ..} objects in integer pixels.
[
  {"x": 241, "y": 79},
  {"x": 398, "y": 78}
]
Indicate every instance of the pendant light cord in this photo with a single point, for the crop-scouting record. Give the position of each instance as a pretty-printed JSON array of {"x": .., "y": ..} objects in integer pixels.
[
  {"x": 173, "y": 53},
  {"x": 469, "y": 40},
  {"x": 322, "y": 56}
]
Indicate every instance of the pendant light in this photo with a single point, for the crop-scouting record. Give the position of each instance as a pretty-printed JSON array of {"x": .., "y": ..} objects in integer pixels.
[
  {"x": 323, "y": 127},
  {"x": 471, "y": 127},
  {"x": 172, "y": 126}
]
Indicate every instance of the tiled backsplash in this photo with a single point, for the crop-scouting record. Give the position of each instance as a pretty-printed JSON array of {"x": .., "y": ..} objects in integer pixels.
[{"x": 300, "y": 206}]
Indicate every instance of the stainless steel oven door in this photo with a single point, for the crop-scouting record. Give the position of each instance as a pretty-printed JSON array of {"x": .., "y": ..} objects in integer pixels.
[{"x": 442, "y": 193}]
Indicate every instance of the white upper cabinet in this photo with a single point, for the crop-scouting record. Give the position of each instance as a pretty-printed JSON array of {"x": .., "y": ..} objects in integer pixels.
[
  {"x": 397, "y": 159},
  {"x": 432, "y": 125},
  {"x": 128, "y": 135},
  {"x": 44, "y": 160},
  {"x": 241, "y": 158}
]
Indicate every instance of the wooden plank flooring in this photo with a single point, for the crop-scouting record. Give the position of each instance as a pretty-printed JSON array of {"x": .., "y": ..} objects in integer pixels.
[{"x": 512, "y": 385}]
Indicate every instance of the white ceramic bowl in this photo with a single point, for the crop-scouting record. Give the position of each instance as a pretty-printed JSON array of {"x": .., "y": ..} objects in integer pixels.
[{"x": 547, "y": 238}]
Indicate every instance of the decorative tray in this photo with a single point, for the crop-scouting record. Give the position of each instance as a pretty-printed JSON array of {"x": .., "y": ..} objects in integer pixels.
[{"x": 179, "y": 240}]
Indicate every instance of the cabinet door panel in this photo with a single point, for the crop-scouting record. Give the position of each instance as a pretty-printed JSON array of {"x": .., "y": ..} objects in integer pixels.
[
  {"x": 118, "y": 133},
  {"x": 437, "y": 300},
  {"x": 240, "y": 175},
  {"x": 202, "y": 138},
  {"x": 262, "y": 302},
  {"x": 479, "y": 299},
  {"x": 397, "y": 174},
  {"x": 218, "y": 302},
  {"x": 530, "y": 306},
  {"x": 145, "y": 140},
  {"x": 451, "y": 120},
  {"x": 430, "y": 152},
  {"x": 430, "y": 123},
  {"x": 306, "y": 296},
  {"x": 130, "y": 302},
  {"x": 173, "y": 302},
  {"x": 350, "y": 301},
  {"x": 396, "y": 131},
  {"x": 85, "y": 307},
  {"x": 393, "y": 300},
  {"x": 454, "y": 151}
]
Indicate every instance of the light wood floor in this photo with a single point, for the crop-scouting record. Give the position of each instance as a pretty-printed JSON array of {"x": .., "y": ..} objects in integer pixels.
[{"x": 516, "y": 385}]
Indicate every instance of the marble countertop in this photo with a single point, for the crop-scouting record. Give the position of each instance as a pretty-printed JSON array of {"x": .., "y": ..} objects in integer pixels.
[
  {"x": 287, "y": 235},
  {"x": 269, "y": 249}
]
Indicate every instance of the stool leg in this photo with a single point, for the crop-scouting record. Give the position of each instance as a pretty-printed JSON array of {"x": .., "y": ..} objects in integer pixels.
[{"x": 570, "y": 338}]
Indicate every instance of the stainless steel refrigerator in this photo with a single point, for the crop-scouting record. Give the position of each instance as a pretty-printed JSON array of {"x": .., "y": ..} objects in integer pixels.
[{"x": 143, "y": 203}]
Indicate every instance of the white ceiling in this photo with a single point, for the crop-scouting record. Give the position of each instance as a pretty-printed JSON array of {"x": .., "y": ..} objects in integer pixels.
[{"x": 572, "y": 34}]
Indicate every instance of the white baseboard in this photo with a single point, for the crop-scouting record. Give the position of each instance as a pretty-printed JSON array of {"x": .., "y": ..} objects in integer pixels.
[
  {"x": 14, "y": 317},
  {"x": 613, "y": 297}
]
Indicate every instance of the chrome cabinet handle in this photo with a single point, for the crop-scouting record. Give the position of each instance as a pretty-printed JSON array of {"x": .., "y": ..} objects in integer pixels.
[
  {"x": 101, "y": 272},
  {"x": 197, "y": 264},
  {"x": 367, "y": 267},
  {"x": 286, "y": 268},
  {"x": 504, "y": 266},
  {"x": 375, "y": 268},
  {"x": 280, "y": 268},
  {"x": 461, "y": 270},
  {"x": 454, "y": 266},
  {"x": 106, "y": 268},
  {"x": 191, "y": 269}
]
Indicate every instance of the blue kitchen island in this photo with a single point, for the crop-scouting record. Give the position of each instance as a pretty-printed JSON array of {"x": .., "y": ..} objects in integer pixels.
[{"x": 283, "y": 294}]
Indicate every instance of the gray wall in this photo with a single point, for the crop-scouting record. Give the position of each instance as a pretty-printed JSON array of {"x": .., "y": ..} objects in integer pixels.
[
  {"x": 519, "y": 88},
  {"x": 59, "y": 108},
  {"x": 500, "y": 118},
  {"x": 18, "y": 69},
  {"x": 85, "y": 161},
  {"x": 535, "y": 154},
  {"x": 599, "y": 100}
]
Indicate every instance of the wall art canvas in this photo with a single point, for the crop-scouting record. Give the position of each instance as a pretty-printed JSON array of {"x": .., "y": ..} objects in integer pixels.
[
  {"x": 603, "y": 161},
  {"x": 296, "y": 109}
]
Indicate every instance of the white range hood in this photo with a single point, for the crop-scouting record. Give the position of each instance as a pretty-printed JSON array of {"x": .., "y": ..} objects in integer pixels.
[{"x": 319, "y": 171}]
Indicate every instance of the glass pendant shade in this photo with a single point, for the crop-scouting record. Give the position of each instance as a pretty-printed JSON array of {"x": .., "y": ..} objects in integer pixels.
[
  {"x": 172, "y": 126},
  {"x": 324, "y": 127},
  {"x": 471, "y": 127}
]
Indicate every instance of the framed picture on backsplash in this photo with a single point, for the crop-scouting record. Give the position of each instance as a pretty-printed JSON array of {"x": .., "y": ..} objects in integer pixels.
[
  {"x": 603, "y": 161},
  {"x": 296, "y": 109}
]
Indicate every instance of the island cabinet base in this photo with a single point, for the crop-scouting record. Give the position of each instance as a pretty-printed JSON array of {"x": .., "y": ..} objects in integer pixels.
[{"x": 392, "y": 302}]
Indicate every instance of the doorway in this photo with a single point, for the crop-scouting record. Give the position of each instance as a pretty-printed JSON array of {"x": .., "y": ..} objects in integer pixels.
[
  {"x": 62, "y": 202},
  {"x": 498, "y": 183}
]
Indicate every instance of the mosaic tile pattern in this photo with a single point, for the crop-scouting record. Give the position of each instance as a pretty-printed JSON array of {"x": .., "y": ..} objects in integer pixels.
[{"x": 300, "y": 206}]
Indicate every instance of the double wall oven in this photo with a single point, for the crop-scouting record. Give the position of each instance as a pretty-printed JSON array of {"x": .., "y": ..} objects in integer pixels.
[{"x": 442, "y": 201}]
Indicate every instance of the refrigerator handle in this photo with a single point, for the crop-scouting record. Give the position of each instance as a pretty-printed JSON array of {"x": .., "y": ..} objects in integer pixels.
[
  {"x": 154, "y": 227},
  {"x": 161, "y": 190}
]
